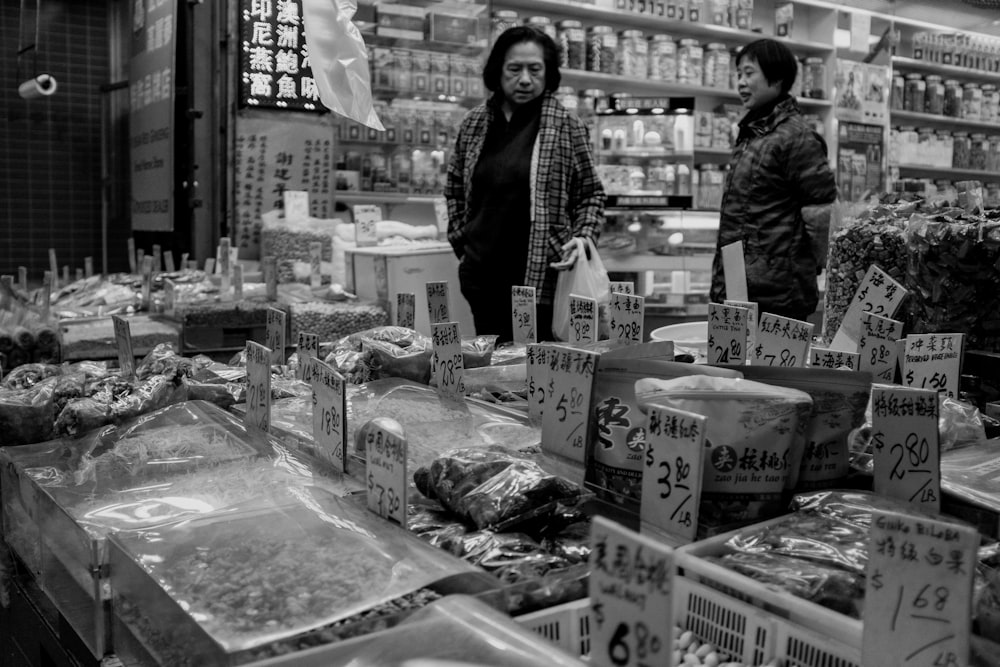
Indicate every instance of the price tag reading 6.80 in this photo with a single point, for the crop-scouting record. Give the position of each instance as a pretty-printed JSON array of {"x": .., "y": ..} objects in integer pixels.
[
  {"x": 385, "y": 456},
  {"x": 671, "y": 476}
]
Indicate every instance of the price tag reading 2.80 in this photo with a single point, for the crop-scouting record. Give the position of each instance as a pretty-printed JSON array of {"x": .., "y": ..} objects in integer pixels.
[
  {"x": 258, "y": 414},
  {"x": 522, "y": 314},
  {"x": 782, "y": 342},
  {"x": 671, "y": 475},
  {"x": 627, "y": 313},
  {"x": 449, "y": 365},
  {"x": 385, "y": 456},
  {"x": 727, "y": 334},
  {"x": 329, "y": 412},
  {"x": 582, "y": 319},
  {"x": 630, "y": 598},
  {"x": 918, "y": 592},
  {"x": 907, "y": 453},
  {"x": 567, "y": 401}
]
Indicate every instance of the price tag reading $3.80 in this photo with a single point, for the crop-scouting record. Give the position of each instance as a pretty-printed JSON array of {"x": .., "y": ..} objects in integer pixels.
[
  {"x": 385, "y": 468},
  {"x": 449, "y": 365},
  {"x": 727, "y": 334},
  {"x": 905, "y": 444},
  {"x": 918, "y": 592},
  {"x": 671, "y": 476},
  {"x": 437, "y": 302},
  {"x": 782, "y": 342},
  {"x": 582, "y": 319},
  {"x": 934, "y": 361},
  {"x": 630, "y": 597},
  {"x": 877, "y": 349},
  {"x": 329, "y": 412},
  {"x": 522, "y": 314},
  {"x": 406, "y": 310},
  {"x": 627, "y": 314},
  {"x": 307, "y": 348},
  {"x": 258, "y": 414},
  {"x": 275, "y": 335},
  {"x": 567, "y": 401}
]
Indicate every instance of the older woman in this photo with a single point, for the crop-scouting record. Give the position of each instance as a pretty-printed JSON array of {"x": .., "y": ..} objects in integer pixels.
[{"x": 521, "y": 184}]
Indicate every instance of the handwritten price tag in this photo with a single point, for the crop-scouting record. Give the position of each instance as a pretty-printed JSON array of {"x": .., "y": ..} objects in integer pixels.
[
  {"x": 826, "y": 358},
  {"x": 522, "y": 314},
  {"x": 782, "y": 341},
  {"x": 22, "y": 277},
  {"x": 437, "y": 302},
  {"x": 406, "y": 310},
  {"x": 623, "y": 287},
  {"x": 918, "y": 592},
  {"x": 46, "y": 294},
  {"x": 296, "y": 205},
  {"x": 934, "y": 361},
  {"x": 627, "y": 313},
  {"x": 157, "y": 258},
  {"x": 449, "y": 365},
  {"x": 275, "y": 335},
  {"x": 727, "y": 334},
  {"x": 734, "y": 269},
  {"x": 269, "y": 268},
  {"x": 238, "y": 282},
  {"x": 671, "y": 476},
  {"x": 329, "y": 412},
  {"x": 441, "y": 213},
  {"x": 225, "y": 266},
  {"x": 133, "y": 265},
  {"x": 877, "y": 349},
  {"x": 366, "y": 219},
  {"x": 753, "y": 320},
  {"x": 54, "y": 268},
  {"x": 879, "y": 295},
  {"x": 147, "y": 280},
  {"x": 385, "y": 456},
  {"x": 582, "y": 319},
  {"x": 567, "y": 403},
  {"x": 169, "y": 297},
  {"x": 168, "y": 262},
  {"x": 538, "y": 379},
  {"x": 315, "y": 264},
  {"x": 907, "y": 452},
  {"x": 630, "y": 597},
  {"x": 307, "y": 348},
  {"x": 123, "y": 342},
  {"x": 88, "y": 266},
  {"x": 258, "y": 414}
]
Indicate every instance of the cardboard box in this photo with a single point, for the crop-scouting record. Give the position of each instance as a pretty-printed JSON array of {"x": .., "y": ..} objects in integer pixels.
[
  {"x": 400, "y": 21},
  {"x": 451, "y": 28}
]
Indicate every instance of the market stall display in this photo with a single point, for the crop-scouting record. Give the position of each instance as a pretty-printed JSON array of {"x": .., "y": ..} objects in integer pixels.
[{"x": 28, "y": 333}]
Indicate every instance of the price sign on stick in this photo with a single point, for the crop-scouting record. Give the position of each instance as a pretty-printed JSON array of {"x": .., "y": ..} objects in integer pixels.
[
  {"x": 406, "y": 309},
  {"x": 133, "y": 266},
  {"x": 22, "y": 277},
  {"x": 238, "y": 282},
  {"x": 877, "y": 349},
  {"x": 329, "y": 411},
  {"x": 209, "y": 266},
  {"x": 296, "y": 205},
  {"x": 308, "y": 348},
  {"x": 567, "y": 401},
  {"x": 582, "y": 319},
  {"x": 879, "y": 295},
  {"x": 79, "y": 274},
  {"x": 753, "y": 320},
  {"x": 385, "y": 456},
  {"x": 168, "y": 260},
  {"x": 522, "y": 314},
  {"x": 449, "y": 365},
  {"x": 275, "y": 335},
  {"x": 630, "y": 598},
  {"x": 623, "y": 287},
  {"x": 88, "y": 266},
  {"x": 735, "y": 271},
  {"x": 258, "y": 414},
  {"x": 671, "y": 474},
  {"x": 538, "y": 378},
  {"x": 782, "y": 341},
  {"x": 147, "y": 281},
  {"x": 441, "y": 214},
  {"x": 46, "y": 295},
  {"x": 184, "y": 262},
  {"x": 169, "y": 297},
  {"x": 270, "y": 269},
  {"x": 123, "y": 343},
  {"x": 627, "y": 313},
  {"x": 225, "y": 266},
  {"x": 54, "y": 268},
  {"x": 905, "y": 445},
  {"x": 437, "y": 302},
  {"x": 157, "y": 258},
  {"x": 366, "y": 219},
  {"x": 315, "y": 264},
  {"x": 727, "y": 334},
  {"x": 934, "y": 361},
  {"x": 918, "y": 592},
  {"x": 825, "y": 358}
]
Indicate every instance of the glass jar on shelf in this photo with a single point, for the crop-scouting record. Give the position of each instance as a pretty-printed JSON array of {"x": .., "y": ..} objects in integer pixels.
[
  {"x": 915, "y": 89},
  {"x": 633, "y": 54},
  {"x": 662, "y": 58},
  {"x": 991, "y": 104},
  {"x": 897, "y": 98},
  {"x": 961, "y": 146},
  {"x": 572, "y": 41},
  {"x": 979, "y": 149},
  {"x": 716, "y": 66},
  {"x": 501, "y": 20},
  {"x": 972, "y": 101},
  {"x": 602, "y": 49},
  {"x": 568, "y": 98},
  {"x": 993, "y": 157},
  {"x": 690, "y": 61},
  {"x": 934, "y": 95},
  {"x": 952, "y": 98},
  {"x": 814, "y": 78},
  {"x": 544, "y": 24}
]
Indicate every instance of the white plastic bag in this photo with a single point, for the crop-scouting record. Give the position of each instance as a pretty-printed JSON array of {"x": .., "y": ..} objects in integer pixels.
[{"x": 586, "y": 278}]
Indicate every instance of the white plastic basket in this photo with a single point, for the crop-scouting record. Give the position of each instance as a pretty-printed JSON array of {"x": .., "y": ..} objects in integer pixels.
[{"x": 565, "y": 625}]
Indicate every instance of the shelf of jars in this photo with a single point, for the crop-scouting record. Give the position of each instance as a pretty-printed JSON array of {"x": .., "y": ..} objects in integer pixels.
[
  {"x": 903, "y": 63},
  {"x": 946, "y": 173},
  {"x": 901, "y": 117},
  {"x": 652, "y": 23}
]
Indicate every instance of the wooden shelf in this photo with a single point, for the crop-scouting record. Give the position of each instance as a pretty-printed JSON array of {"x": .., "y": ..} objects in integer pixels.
[
  {"x": 920, "y": 171},
  {"x": 934, "y": 120},
  {"x": 947, "y": 71}
]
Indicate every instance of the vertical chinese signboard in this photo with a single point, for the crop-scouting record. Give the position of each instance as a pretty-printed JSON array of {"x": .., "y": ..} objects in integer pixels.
[
  {"x": 151, "y": 114},
  {"x": 274, "y": 60}
]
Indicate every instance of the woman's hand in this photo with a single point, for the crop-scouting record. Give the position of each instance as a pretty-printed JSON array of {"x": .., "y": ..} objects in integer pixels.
[{"x": 570, "y": 253}]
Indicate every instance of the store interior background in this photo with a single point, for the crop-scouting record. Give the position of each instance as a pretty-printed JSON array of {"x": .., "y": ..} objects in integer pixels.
[{"x": 63, "y": 159}]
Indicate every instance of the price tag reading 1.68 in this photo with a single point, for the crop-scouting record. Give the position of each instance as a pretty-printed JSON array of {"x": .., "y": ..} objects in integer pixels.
[
  {"x": 630, "y": 598},
  {"x": 329, "y": 411},
  {"x": 582, "y": 319},
  {"x": 307, "y": 348},
  {"x": 385, "y": 456},
  {"x": 918, "y": 592},
  {"x": 275, "y": 335},
  {"x": 727, "y": 334},
  {"x": 934, "y": 361},
  {"x": 905, "y": 444},
  {"x": 522, "y": 314},
  {"x": 406, "y": 310},
  {"x": 449, "y": 365},
  {"x": 627, "y": 313},
  {"x": 782, "y": 342},
  {"x": 567, "y": 401},
  {"x": 437, "y": 302},
  {"x": 671, "y": 475},
  {"x": 258, "y": 414}
]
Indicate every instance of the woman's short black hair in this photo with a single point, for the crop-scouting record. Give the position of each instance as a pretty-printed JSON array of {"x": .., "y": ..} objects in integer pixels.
[
  {"x": 776, "y": 61},
  {"x": 518, "y": 35}
]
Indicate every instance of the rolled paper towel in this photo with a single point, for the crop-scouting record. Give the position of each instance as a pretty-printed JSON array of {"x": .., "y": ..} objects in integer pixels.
[{"x": 42, "y": 85}]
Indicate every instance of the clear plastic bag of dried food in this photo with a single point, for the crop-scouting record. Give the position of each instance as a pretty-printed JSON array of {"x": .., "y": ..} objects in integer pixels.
[
  {"x": 507, "y": 385},
  {"x": 28, "y": 415},
  {"x": 855, "y": 507},
  {"x": 261, "y": 577},
  {"x": 970, "y": 473},
  {"x": 449, "y": 478},
  {"x": 517, "y": 493},
  {"x": 810, "y": 536},
  {"x": 86, "y": 414},
  {"x": 27, "y": 376}
]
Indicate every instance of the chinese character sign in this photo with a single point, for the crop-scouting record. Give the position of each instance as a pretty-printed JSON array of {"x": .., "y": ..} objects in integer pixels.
[{"x": 275, "y": 71}]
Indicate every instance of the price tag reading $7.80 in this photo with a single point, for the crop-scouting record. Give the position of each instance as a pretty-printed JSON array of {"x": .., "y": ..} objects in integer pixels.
[
  {"x": 329, "y": 411},
  {"x": 905, "y": 444},
  {"x": 275, "y": 335},
  {"x": 258, "y": 414},
  {"x": 522, "y": 314},
  {"x": 567, "y": 401},
  {"x": 582, "y": 319},
  {"x": 727, "y": 334},
  {"x": 123, "y": 341},
  {"x": 437, "y": 302},
  {"x": 406, "y": 310},
  {"x": 782, "y": 342},
  {"x": 627, "y": 314},
  {"x": 449, "y": 365},
  {"x": 918, "y": 592},
  {"x": 630, "y": 598},
  {"x": 934, "y": 361},
  {"x": 307, "y": 348},
  {"x": 671, "y": 476},
  {"x": 385, "y": 468},
  {"x": 877, "y": 349}
]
